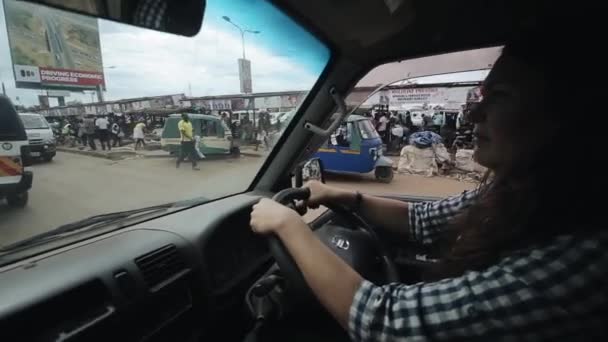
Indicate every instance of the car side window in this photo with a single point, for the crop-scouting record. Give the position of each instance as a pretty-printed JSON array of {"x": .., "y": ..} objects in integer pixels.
[
  {"x": 210, "y": 128},
  {"x": 434, "y": 95},
  {"x": 341, "y": 136},
  {"x": 219, "y": 129}
]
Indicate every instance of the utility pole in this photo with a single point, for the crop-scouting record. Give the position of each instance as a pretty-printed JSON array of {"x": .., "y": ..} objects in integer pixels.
[
  {"x": 243, "y": 31},
  {"x": 99, "y": 90},
  {"x": 243, "y": 63}
]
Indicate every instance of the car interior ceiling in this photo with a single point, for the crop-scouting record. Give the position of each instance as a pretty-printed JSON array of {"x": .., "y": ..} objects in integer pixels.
[{"x": 184, "y": 276}]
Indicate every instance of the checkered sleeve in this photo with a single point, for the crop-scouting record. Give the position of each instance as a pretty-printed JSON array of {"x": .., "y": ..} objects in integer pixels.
[
  {"x": 548, "y": 293},
  {"x": 428, "y": 220}
]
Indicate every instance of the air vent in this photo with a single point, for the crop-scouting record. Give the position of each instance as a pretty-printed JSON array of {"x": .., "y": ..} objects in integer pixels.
[{"x": 161, "y": 267}]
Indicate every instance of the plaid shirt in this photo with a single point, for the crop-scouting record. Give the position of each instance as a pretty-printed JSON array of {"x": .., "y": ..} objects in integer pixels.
[{"x": 549, "y": 292}]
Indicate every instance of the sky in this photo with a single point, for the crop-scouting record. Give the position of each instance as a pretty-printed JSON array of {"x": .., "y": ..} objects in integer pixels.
[{"x": 140, "y": 62}]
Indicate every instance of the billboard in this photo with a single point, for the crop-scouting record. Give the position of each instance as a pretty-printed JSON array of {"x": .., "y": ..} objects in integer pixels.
[
  {"x": 291, "y": 101},
  {"x": 406, "y": 97},
  {"x": 267, "y": 102},
  {"x": 53, "y": 49},
  {"x": 245, "y": 75},
  {"x": 242, "y": 104}
]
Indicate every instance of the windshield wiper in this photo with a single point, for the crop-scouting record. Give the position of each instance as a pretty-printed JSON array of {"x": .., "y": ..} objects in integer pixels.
[
  {"x": 94, "y": 222},
  {"x": 89, "y": 223}
]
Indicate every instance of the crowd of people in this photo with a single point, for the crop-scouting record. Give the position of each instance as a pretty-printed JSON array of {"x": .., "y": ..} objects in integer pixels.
[
  {"x": 109, "y": 130},
  {"x": 395, "y": 127},
  {"x": 113, "y": 130},
  {"x": 248, "y": 131}
]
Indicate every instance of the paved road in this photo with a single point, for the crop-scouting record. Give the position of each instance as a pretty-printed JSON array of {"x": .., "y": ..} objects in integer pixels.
[{"x": 73, "y": 187}]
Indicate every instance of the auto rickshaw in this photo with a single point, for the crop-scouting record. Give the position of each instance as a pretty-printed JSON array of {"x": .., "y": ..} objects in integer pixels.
[
  {"x": 215, "y": 136},
  {"x": 356, "y": 147}
]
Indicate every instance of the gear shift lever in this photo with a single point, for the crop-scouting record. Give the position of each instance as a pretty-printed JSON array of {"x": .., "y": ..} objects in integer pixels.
[
  {"x": 260, "y": 304},
  {"x": 264, "y": 286}
]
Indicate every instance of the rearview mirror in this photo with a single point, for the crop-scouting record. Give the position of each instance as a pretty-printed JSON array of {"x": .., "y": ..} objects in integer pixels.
[
  {"x": 182, "y": 17},
  {"x": 311, "y": 169}
]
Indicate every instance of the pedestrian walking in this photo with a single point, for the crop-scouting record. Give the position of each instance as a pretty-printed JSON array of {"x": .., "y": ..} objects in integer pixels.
[
  {"x": 138, "y": 134},
  {"x": 89, "y": 131},
  {"x": 103, "y": 132},
  {"x": 383, "y": 127},
  {"x": 261, "y": 138},
  {"x": 397, "y": 133},
  {"x": 187, "y": 142},
  {"x": 115, "y": 131},
  {"x": 81, "y": 133}
]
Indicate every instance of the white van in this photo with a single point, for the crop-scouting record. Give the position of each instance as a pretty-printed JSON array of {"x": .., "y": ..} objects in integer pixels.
[
  {"x": 15, "y": 179},
  {"x": 40, "y": 136}
]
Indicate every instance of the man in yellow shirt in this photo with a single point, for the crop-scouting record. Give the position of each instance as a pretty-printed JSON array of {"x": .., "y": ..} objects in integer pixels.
[{"x": 187, "y": 143}]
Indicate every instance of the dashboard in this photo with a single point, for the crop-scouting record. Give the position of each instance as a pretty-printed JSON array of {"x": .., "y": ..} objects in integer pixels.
[
  {"x": 233, "y": 253},
  {"x": 177, "y": 277}
]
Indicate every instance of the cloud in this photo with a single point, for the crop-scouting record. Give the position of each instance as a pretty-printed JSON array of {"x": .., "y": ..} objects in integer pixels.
[
  {"x": 160, "y": 63},
  {"x": 148, "y": 63}
]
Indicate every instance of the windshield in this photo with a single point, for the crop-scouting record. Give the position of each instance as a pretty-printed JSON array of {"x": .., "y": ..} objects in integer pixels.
[
  {"x": 124, "y": 90},
  {"x": 367, "y": 129},
  {"x": 34, "y": 122}
]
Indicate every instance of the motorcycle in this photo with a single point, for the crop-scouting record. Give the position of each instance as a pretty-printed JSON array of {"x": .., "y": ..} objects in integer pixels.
[
  {"x": 463, "y": 139},
  {"x": 69, "y": 139}
]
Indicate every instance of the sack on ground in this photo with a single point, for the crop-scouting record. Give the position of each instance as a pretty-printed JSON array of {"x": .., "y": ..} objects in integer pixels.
[
  {"x": 419, "y": 161},
  {"x": 441, "y": 154},
  {"x": 465, "y": 162}
]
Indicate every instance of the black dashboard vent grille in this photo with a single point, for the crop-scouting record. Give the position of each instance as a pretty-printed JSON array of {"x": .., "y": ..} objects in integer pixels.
[{"x": 161, "y": 266}]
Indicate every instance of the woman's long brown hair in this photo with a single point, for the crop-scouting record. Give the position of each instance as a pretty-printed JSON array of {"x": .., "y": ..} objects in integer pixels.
[{"x": 558, "y": 193}]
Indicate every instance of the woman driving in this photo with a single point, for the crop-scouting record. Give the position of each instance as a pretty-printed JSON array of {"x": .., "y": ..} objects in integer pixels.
[{"x": 528, "y": 248}]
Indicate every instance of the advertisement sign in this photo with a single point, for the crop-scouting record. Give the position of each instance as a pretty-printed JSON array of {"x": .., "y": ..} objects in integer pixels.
[
  {"x": 53, "y": 49},
  {"x": 241, "y": 104},
  {"x": 405, "y": 97},
  {"x": 221, "y": 104},
  {"x": 291, "y": 101},
  {"x": 215, "y": 104},
  {"x": 245, "y": 75},
  {"x": 267, "y": 102},
  {"x": 416, "y": 95}
]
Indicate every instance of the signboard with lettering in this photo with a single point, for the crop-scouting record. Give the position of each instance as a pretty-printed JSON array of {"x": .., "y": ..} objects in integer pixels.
[
  {"x": 405, "y": 97},
  {"x": 53, "y": 49},
  {"x": 267, "y": 102}
]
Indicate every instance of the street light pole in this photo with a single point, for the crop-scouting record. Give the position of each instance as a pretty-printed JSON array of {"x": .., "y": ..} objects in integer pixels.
[
  {"x": 99, "y": 89},
  {"x": 243, "y": 31},
  {"x": 243, "y": 42}
]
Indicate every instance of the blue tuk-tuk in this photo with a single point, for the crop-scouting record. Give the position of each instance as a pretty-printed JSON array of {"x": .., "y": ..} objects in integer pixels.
[{"x": 356, "y": 147}]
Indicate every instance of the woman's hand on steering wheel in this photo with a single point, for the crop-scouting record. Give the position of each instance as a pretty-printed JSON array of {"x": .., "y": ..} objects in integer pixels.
[
  {"x": 269, "y": 216},
  {"x": 284, "y": 228},
  {"x": 321, "y": 194}
]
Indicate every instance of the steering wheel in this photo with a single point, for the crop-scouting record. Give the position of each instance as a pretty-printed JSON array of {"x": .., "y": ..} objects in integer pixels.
[{"x": 347, "y": 243}]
